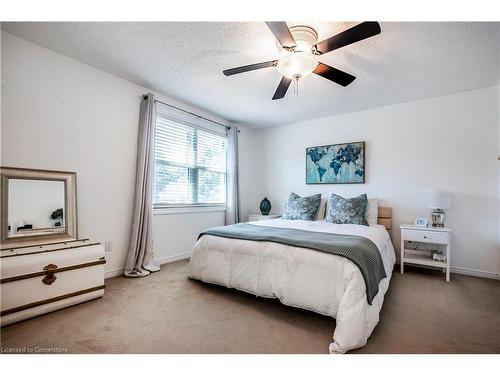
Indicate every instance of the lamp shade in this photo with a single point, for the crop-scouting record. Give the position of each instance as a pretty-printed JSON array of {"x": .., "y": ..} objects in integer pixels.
[
  {"x": 297, "y": 65},
  {"x": 438, "y": 199}
]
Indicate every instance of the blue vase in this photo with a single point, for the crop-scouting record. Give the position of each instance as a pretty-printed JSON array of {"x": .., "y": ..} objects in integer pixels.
[{"x": 265, "y": 206}]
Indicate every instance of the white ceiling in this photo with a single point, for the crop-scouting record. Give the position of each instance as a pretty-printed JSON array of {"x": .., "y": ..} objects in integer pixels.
[{"x": 407, "y": 61}]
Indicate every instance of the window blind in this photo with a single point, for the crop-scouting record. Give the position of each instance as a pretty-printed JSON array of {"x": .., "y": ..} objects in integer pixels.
[{"x": 190, "y": 165}]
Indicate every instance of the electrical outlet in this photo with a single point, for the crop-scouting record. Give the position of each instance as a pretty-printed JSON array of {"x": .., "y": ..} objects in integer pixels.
[{"x": 108, "y": 246}]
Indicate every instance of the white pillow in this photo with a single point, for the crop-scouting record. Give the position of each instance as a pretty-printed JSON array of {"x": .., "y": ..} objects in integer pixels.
[
  {"x": 320, "y": 216},
  {"x": 372, "y": 211}
]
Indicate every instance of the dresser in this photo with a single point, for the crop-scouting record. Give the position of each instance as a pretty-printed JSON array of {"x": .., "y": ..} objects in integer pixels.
[
  {"x": 437, "y": 238},
  {"x": 36, "y": 280}
]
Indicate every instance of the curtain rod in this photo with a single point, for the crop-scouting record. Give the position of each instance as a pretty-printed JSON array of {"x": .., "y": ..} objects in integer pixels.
[{"x": 191, "y": 113}]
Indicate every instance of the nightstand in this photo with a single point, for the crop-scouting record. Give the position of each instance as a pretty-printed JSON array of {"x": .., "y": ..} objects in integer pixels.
[
  {"x": 257, "y": 217},
  {"x": 426, "y": 235}
]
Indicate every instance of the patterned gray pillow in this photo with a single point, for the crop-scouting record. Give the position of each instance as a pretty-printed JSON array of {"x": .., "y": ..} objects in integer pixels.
[
  {"x": 347, "y": 211},
  {"x": 302, "y": 208}
]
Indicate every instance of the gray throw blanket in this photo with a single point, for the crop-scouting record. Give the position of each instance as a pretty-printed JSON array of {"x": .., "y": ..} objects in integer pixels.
[{"x": 360, "y": 250}]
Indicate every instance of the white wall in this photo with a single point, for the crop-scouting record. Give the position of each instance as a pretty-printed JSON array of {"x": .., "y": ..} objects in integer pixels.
[
  {"x": 60, "y": 114},
  {"x": 175, "y": 234},
  {"x": 448, "y": 142},
  {"x": 251, "y": 172},
  {"x": 498, "y": 168},
  {"x": 63, "y": 115}
]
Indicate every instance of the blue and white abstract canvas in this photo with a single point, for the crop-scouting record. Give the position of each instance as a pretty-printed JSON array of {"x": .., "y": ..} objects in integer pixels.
[{"x": 336, "y": 164}]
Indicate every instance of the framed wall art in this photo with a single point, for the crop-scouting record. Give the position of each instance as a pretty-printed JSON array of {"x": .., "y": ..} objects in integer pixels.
[{"x": 336, "y": 164}]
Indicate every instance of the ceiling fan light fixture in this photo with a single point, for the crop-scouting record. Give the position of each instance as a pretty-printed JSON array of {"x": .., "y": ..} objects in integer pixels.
[
  {"x": 299, "y": 61},
  {"x": 297, "y": 65},
  {"x": 299, "y": 50}
]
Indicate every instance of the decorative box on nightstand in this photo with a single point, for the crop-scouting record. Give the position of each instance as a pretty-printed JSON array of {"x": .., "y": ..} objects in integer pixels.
[
  {"x": 440, "y": 237},
  {"x": 257, "y": 217}
]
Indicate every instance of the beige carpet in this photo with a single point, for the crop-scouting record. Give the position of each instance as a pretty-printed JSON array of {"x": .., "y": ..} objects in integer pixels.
[{"x": 168, "y": 313}]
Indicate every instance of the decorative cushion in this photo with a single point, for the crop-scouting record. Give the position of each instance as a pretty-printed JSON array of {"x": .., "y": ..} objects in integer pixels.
[
  {"x": 302, "y": 208},
  {"x": 372, "y": 212},
  {"x": 347, "y": 211},
  {"x": 320, "y": 216}
]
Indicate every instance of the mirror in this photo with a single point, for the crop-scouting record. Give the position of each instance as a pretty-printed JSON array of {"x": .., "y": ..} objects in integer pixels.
[{"x": 37, "y": 207}]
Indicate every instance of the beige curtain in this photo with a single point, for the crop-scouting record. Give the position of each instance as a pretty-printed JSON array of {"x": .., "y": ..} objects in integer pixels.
[{"x": 140, "y": 259}]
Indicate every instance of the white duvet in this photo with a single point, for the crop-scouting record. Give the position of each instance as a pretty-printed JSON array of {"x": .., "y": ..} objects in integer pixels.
[{"x": 325, "y": 283}]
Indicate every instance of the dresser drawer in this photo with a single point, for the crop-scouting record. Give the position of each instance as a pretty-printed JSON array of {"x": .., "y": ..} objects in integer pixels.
[{"x": 423, "y": 236}]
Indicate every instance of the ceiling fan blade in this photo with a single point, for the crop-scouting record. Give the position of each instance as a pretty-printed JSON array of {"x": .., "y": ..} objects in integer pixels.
[
  {"x": 354, "y": 34},
  {"x": 282, "y": 33},
  {"x": 335, "y": 75},
  {"x": 247, "y": 68},
  {"x": 282, "y": 88}
]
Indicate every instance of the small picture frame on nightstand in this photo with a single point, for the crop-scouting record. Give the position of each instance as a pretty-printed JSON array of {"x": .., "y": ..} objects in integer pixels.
[{"x": 421, "y": 222}]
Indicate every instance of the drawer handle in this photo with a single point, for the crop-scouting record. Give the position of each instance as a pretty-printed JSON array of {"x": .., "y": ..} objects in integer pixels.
[
  {"x": 425, "y": 236},
  {"x": 50, "y": 277}
]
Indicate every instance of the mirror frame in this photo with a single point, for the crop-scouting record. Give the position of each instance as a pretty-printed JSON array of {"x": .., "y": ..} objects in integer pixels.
[{"x": 69, "y": 179}]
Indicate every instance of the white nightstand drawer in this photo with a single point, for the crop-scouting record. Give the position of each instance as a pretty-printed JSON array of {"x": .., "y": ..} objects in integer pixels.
[
  {"x": 424, "y": 236},
  {"x": 257, "y": 217}
]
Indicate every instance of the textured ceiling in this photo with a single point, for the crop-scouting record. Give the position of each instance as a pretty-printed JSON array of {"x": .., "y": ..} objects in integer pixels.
[{"x": 407, "y": 61}]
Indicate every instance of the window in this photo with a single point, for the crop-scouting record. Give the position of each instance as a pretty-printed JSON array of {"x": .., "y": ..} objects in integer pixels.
[{"x": 190, "y": 165}]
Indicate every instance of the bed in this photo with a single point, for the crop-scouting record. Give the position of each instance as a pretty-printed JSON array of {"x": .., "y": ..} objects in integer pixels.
[{"x": 325, "y": 283}]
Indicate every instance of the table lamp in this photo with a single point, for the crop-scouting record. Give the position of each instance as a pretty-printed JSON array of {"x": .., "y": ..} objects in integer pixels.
[{"x": 438, "y": 200}]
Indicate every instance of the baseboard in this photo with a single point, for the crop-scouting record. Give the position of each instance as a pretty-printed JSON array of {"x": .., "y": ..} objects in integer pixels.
[
  {"x": 477, "y": 273},
  {"x": 114, "y": 272},
  {"x": 462, "y": 271},
  {"x": 172, "y": 258}
]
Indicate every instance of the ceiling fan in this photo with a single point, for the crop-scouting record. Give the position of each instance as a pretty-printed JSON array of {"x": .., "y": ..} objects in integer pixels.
[{"x": 300, "y": 51}]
